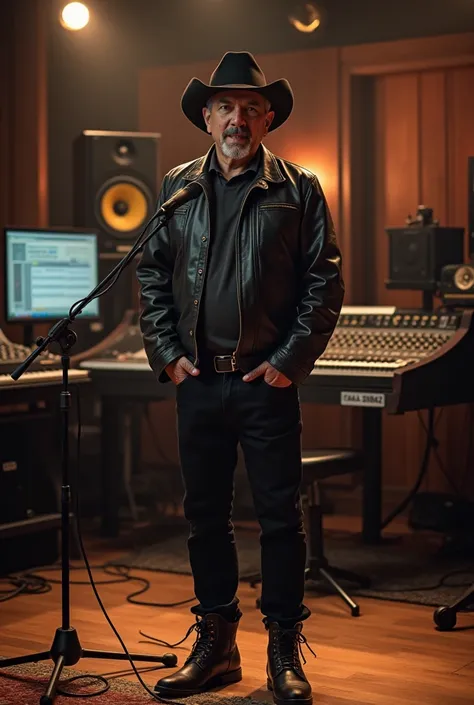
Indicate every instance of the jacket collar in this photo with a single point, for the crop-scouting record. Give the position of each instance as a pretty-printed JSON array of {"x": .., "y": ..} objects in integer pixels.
[{"x": 270, "y": 170}]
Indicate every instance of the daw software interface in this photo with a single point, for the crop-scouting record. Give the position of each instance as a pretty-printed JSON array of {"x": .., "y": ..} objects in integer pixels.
[{"x": 47, "y": 271}]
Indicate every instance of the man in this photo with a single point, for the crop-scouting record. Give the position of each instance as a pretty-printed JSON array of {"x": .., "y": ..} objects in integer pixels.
[{"x": 240, "y": 293}]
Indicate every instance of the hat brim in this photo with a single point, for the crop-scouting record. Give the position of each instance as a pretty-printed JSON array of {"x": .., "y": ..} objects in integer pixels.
[{"x": 197, "y": 93}]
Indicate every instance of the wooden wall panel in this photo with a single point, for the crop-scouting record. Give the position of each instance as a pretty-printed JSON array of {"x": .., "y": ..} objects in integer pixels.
[
  {"x": 433, "y": 152},
  {"x": 422, "y": 158},
  {"x": 23, "y": 124},
  {"x": 159, "y": 96},
  {"x": 397, "y": 177},
  {"x": 400, "y": 176},
  {"x": 30, "y": 204},
  {"x": 357, "y": 186},
  {"x": 418, "y": 54},
  {"x": 460, "y": 131},
  {"x": 379, "y": 186}
]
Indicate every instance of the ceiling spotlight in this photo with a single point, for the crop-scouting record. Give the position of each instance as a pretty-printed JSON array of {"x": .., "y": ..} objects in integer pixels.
[
  {"x": 74, "y": 16},
  {"x": 309, "y": 18}
]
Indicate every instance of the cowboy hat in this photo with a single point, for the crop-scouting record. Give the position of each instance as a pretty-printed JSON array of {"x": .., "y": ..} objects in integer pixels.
[{"x": 237, "y": 71}]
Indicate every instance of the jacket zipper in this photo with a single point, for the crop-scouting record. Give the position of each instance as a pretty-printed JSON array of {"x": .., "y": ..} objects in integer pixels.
[
  {"x": 258, "y": 184},
  {"x": 196, "y": 358}
]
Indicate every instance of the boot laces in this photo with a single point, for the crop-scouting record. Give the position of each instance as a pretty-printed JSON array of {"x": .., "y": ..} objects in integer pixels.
[
  {"x": 203, "y": 643},
  {"x": 289, "y": 648}
]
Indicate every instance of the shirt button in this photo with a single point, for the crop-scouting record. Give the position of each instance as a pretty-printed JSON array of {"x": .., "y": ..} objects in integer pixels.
[
  {"x": 204, "y": 238},
  {"x": 199, "y": 271},
  {"x": 191, "y": 333},
  {"x": 196, "y": 302}
]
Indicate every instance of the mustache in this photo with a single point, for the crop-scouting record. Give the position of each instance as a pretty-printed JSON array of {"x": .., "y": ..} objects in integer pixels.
[{"x": 231, "y": 131}]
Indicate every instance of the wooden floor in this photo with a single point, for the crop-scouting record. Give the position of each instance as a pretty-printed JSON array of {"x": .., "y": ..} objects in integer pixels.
[{"x": 390, "y": 655}]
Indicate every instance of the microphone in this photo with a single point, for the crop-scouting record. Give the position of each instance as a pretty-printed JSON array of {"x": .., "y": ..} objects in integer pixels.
[{"x": 192, "y": 190}]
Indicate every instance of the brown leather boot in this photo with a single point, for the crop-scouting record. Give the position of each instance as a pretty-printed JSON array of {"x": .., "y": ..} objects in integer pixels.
[
  {"x": 285, "y": 676},
  {"x": 214, "y": 660}
]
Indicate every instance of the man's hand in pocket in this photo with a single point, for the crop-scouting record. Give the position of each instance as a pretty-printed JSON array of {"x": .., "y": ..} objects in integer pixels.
[{"x": 181, "y": 368}]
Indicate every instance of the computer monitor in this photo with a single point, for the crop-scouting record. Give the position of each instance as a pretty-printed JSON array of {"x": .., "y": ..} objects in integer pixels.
[{"x": 46, "y": 271}]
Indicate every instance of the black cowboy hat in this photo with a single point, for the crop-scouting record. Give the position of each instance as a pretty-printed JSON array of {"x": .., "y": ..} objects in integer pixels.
[{"x": 237, "y": 70}]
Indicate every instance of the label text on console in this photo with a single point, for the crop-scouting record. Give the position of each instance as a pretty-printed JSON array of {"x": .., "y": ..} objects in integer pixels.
[{"x": 362, "y": 399}]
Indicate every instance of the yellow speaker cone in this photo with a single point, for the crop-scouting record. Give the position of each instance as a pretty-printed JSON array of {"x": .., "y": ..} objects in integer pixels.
[{"x": 123, "y": 207}]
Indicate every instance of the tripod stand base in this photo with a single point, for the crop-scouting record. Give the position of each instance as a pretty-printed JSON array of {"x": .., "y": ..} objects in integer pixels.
[
  {"x": 329, "y": 574},
  {"x": 66, "y": 651}
]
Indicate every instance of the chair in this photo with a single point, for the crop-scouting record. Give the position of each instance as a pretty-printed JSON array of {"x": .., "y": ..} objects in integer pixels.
[
  {"x": 319, "y": 465},
  {"x": 445, "y": 617}
]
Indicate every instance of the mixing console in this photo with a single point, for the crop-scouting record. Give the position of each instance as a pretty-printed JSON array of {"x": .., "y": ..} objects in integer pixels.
[{"x": 375, "y": 340}]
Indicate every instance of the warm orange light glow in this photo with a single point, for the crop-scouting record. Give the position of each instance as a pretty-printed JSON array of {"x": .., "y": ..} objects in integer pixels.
[
  {"x": 74, "y": 16},
  {"x": 313, "y": 23},
  {"x": 323, "y": 174}
]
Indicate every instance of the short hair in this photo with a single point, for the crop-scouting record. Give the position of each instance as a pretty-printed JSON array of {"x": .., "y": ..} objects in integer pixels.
[{"x": 209, "y": 103}]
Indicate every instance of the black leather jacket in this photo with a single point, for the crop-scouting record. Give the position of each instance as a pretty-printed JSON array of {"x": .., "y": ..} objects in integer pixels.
[{"x": 288, "y": 271}]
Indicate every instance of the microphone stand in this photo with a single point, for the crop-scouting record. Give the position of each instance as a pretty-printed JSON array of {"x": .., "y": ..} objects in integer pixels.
[{"x": 66, "y": 649}]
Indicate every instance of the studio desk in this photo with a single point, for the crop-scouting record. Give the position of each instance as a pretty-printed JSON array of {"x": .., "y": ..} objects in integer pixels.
[
  {"x": 378, "y": 359},
  {"x": 29, "y": 445}
]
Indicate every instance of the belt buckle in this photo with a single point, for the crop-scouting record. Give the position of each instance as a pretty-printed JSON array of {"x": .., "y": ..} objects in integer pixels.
[{"x": 228, "y": 365}]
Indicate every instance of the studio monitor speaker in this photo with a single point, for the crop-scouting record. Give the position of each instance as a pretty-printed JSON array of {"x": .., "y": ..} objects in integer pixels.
[
  {"x": 418, "y": 254},
  {"x": 115, "y": 184}
]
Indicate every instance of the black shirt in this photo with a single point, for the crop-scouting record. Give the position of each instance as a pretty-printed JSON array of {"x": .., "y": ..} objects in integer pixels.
[{"x": 219, "y": 317}]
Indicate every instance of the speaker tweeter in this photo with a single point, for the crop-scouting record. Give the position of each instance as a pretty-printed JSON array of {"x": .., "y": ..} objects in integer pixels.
[{"x": 457, "y": 285}]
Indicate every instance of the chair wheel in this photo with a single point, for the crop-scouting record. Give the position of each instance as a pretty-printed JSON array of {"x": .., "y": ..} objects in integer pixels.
[{"x": 445, "y": 618}]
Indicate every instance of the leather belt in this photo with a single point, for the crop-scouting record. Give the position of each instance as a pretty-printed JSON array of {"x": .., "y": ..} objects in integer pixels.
[{"x": 225, "y": 363}]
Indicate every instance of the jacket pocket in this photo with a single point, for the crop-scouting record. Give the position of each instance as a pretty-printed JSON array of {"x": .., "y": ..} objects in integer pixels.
[
  {"x": 279, "y": 225},
  {"x": 276, "y": 206},
  {"x": 177, "y": 228}
]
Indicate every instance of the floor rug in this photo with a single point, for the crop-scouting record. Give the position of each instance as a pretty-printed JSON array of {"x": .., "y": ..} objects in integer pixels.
[
  {"x": 24, "y": 685},
  {"x": 408, "y": 570}
]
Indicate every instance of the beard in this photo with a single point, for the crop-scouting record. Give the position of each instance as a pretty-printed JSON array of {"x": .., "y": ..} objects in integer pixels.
[{"x": 235, "y": 151}]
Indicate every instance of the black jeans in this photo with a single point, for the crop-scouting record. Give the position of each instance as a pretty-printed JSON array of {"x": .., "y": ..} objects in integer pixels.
[{"x": 215, "y": 413}]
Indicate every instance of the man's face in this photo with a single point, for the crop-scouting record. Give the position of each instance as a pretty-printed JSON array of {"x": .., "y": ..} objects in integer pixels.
[{"x": 238, "y": 121}]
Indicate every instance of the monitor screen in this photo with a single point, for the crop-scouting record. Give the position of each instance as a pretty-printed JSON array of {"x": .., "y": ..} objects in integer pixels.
[{"x": 46, "y": 271}]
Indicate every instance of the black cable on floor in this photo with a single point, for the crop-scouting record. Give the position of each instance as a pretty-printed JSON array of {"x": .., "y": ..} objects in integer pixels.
[
  {"x": 104, "y": 678},
  {"x": 95, "y": 677},
  {"x": 122, "y": 572},
  {"x": 23, "y": 585}
]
